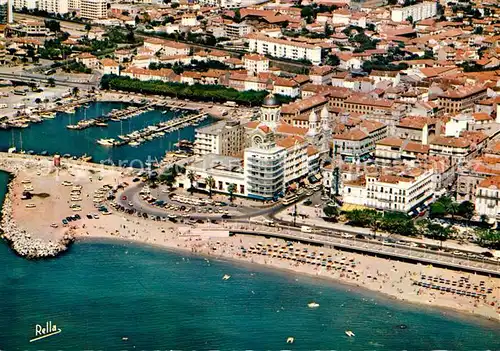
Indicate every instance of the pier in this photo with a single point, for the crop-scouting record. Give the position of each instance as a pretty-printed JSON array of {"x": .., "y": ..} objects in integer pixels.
[
  {"x": 137, "y": 137},
  {"x": 115, "y": 116}
]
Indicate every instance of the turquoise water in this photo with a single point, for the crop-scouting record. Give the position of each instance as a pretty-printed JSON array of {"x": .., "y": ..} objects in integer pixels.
[
  {"x": 99, "y": 293},
  {"x": 53, "y": 136}
]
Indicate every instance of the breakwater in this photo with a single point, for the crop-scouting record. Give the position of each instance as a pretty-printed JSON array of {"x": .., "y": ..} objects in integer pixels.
[{"x": 21, "y": 241}]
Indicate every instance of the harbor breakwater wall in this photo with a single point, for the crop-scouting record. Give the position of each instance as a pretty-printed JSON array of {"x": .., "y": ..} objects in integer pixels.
[{"x": 22, "y": 242}]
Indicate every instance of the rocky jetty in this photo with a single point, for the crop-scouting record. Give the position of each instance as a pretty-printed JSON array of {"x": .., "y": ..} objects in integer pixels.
[{"x": 22, "y": 242}]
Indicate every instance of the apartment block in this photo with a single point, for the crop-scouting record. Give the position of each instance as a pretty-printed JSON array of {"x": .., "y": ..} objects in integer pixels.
[
  {"x": 417, "y": 12},
  {"x": 93, "y": 9},
  {"x": 222, "y": 138},
  {"x": 286, "y": 49}
]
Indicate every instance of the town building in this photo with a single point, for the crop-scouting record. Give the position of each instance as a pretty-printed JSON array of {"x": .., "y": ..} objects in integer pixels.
[
  {"x": 416, "y": 12},
  {"x": 264, "y": 165},
  {"x": 282, "y": 48},
  {"x": 296, "y": 160},
  {"x": 53, "y": 6},
  {"x": 222, "y": 138},
  {"x": 461, "y": 99},
  {"x": 487, "y": 201},
  {"x": 237, "y": 30},
  {"x": 399, "y": 189},
  {"x": 109, "y": 66},
  {"x": 255, "y": 64},
  {"x": 6, "y": 11},
  {"x": 93, "y": 9}
]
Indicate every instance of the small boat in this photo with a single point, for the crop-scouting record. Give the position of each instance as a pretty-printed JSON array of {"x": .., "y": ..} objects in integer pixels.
[
  {"x": 124, "y": 338},
  {"x": 106, "y": 142},
  {"x": 86, "y": 158},
  {"x": 134, "y": 143},
  {"x": 349, "y": 333},
  {"x": 226, "y": 277},
  {"x": 101, "y": 124},
  {"x": 73, "y": 126},
  {"x": 313, "y": 305},
  {"x": 290, "y": 340},
  {"x": 11, "y": 150}
]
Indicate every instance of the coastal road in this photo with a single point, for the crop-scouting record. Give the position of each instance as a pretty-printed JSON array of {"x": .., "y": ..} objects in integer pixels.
[
  {"x": 329, "y": 234},
  {"x": 422, "y": 256},
  {"x": 33, "y": 77}
]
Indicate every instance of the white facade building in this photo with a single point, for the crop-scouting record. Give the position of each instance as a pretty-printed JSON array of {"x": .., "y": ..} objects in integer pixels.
[
  {"x": 399, "y": 192},
  {"x": 93, "y": 9},
  {"x": 53, "y": 6},
  {"x": 282, "y": 48},
  {"x": 221, "y": 138},
  {"x": 256, "y": 63},
  {"x": 29, "y": 4},
  {"x": 487, "y": 197},
  {"x": 296, "y": 160},
  {"x": 264, "y": 166},
  {"x": 417, "y": 12},
  {"x": 393, "y": 191}
]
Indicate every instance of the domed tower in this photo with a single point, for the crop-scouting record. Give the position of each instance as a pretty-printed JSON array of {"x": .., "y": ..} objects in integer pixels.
[
  {"x": 313, "y": 124},
  {"x": 325, "y": 119},
  {"x": 270, "y": 111}
]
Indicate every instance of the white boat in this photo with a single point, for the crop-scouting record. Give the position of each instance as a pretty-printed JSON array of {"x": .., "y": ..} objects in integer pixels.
[
  {"x": 11, "y": 150},
  {"x": 226, "y": 277},
  {"x": 313, "y": 305},
  {"x": 290, "y": 340},
  {"x": 349, "y": 333},
  {"x": 134, "y": 143},
  {"x": 106, "y": 142}
]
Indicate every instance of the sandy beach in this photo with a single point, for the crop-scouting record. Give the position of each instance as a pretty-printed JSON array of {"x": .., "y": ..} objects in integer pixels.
[{"x": 393, "y": 278}]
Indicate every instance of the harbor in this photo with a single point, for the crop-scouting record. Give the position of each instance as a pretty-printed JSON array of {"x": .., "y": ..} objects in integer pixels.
[
  {"x": 148, "y": 133},
  {"x": 115, "y": 115},
  {"x": 53, "y": 137}
]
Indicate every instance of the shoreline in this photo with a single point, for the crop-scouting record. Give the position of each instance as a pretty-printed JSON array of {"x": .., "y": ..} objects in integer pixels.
[
  {"x": 395, "y": 278},
  {"x": 338, "y": 283}
]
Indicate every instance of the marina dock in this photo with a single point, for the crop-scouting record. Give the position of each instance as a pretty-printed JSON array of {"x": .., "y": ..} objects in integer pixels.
[
  {"x": 147, "y": 134},
  {"x": 114, "y": 116}
]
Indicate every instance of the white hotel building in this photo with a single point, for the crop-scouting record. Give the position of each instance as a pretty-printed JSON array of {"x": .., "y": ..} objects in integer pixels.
[
  {"x": 281, "y": 48},
  {"x": 264, "y": 166},
  {"x": 392, "y": 191},
  {"x": 418, "y": 11}
]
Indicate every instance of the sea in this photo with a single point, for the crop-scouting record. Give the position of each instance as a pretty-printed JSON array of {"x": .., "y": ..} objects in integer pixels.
[
  {"x": 52, "y": 136},
  {"x": 106, "y": 295}
]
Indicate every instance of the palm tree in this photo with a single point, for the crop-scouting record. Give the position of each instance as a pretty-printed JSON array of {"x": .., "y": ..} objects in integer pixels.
[
  {"x": 191, "y": 176},
  {"x": 453, "y": 209},
  {"x": 88, "y": 27},
  {"x": 484, "y": 218},
  {"x": 210, "y": 183},
  {"x": 231, "y": 188}
]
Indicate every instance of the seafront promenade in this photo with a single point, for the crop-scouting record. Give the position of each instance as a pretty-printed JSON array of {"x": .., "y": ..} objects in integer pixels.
[
  {"x": 16, "y": 162},
  {"x": 397, "y": 252}
]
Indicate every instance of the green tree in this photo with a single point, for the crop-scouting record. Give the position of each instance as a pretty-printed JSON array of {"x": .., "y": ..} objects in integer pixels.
[
  {"x": 231, "y": 188},
  {"x": 51, "y": 81},
  {"x": 332, "y": 60},
  {"x": 437, "y": 232},
  {"x": 191, "y": 176},
  {"x": 88, "y": 28},
  {"x": 210, "y": 181},
  {"x": 331, "y": 212},
  {"x": 410, "y": 19},
  {"x": 75, "y": 91},
  {"x": 237, "y": 16},
  {"x": 466, "y": 209},
  {"x": 488, "y": 238}
]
